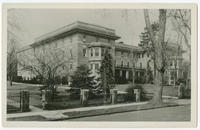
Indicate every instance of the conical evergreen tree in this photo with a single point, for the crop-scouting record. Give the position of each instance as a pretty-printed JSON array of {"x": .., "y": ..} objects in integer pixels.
[{"x": 106, "y": 75}]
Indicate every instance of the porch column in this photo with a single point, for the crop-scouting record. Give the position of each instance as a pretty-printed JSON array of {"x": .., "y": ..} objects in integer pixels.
[
  {"x": 169, "y": 78},
  {"x": 127, "y": 74}
]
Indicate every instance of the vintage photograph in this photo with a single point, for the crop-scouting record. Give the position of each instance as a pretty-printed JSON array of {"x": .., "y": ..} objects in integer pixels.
[{"x": 103, "y": 64}]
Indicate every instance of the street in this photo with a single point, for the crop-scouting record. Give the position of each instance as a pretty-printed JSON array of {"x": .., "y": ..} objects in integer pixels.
[{"x": 179, "y": 113}]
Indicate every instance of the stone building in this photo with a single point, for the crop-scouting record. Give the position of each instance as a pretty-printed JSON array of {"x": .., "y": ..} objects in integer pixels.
[{"x": 85, "y": 43}]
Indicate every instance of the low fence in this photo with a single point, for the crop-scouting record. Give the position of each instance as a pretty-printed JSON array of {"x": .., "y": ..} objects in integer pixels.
[{"x": 19, "y": 101}]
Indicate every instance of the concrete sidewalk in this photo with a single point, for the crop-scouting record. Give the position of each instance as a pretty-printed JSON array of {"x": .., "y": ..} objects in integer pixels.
[
  {"x": 92, "y": 111},
  {"x": 58, "y": 114}
]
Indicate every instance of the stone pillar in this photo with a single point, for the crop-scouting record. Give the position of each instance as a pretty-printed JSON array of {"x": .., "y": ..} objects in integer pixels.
[
  {"x": 24, "y": 101},
  {"x": 180, "y": 91},
  {"x": 113, "y": 96},
  {"x": 137, "y": 94},
  {"x": 69, "y": 80},
  {"x": 46, "y": 98},
  {"x": 84, "y": 96}
]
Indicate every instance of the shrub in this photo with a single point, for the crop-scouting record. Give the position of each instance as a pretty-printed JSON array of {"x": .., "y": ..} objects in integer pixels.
[
  {"x": 82, "y": 78},
  {"x": 180, "y": 80},
  {"x": 130, "y": 92},
  {"x": 187, "y": 93},
  {"x": 140, "y": 80},
  {"x": 65, "y": 80},
  {"x": 74, "y": 93}
]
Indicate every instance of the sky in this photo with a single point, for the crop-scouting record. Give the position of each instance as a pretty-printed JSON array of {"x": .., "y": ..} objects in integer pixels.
[
  {"x": 128, "y": 24},
  {"x": 33, "y": 23}
]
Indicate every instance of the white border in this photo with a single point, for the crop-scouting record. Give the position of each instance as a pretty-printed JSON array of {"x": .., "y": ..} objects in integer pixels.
[{"x": 128, "y": 124}]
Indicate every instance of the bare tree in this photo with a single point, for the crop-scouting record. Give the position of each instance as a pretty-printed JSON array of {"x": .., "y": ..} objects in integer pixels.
[
  {"x": 157, "y": 39},
  {"x": 11, "y": 65},
  {"x": 12, "y": 42},
  {"x": 46, "y": 64},
  {"x": 181, "y": 20}
]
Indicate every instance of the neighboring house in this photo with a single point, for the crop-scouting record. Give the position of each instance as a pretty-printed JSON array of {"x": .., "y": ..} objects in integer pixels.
[{"x": 85, "y": 44}]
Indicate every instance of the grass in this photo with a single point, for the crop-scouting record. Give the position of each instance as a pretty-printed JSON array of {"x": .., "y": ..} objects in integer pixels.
[
  {"x": 149, "y": 89},
  {"x": 62, "y": 100}
]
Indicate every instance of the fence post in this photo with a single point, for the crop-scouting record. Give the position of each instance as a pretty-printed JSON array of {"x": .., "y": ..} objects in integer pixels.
[
  {"x": 180, "y": 91},
  {"x": 113, "y": 96},
  {"x": 84, "y": 96},
  {"x": 24, "y": 101},
  {"x": 137, "y": 94},
  {"x": 46, "y": 98}
]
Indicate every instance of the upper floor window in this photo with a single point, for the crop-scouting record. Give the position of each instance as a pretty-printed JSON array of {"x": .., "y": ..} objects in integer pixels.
[
  {"x": 91, "y": 66},
  {"x": 102, "y": 51},
  {"x": 56, "y": 44},
  {"x": 96, "y": 51},
  {"x": 96, "y": 66},
  {"x": 171, "y": 63},
  {"x": 127, "y": 64},
  {"x": 138, "y": 55},
  {"x": 84, "y": 38},
  {"x": 84, "y": 52},
  {"x": 122, "y": 63},
  {"x": 97, "y": 39},
  {"x": 142, "y": 55},
  {"x": 71, "y": 56},
  {"x": 140, "y": 65},
  {"x": 175, "y": 63},
  {"x": 70, "y": 39},
  {"x": 122, "y": 53},
  {"x": 91, "y": 52},
  {"x": 108, "y": 40}
]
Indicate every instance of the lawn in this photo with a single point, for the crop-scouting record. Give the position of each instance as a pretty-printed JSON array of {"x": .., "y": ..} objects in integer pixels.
[
  {"x": 62, "y": 100},
  {"x": 149, "y": 89}
]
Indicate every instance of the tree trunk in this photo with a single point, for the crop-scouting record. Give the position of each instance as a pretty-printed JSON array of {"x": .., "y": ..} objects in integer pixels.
[
  {"x": 157, "y": 98},
  {"x": 10, "y": 80},
  {"x": 158, "y": 42},
  {"x": 133, "y": 74}
]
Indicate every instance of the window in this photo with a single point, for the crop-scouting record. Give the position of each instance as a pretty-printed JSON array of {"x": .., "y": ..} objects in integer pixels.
[
  {"x": 138, "y": 55},
  {"x": 71, "y": 56},
  {"x": 142, "y": 55},
  {"x": 84, "y": 52},
  {"x": 96, "y": 51},
  {"x": 84, "y": 38},
  {"x": 171, "y": 63},
  {"x": 108, "y": 40},
  {"x": 91, "y": 66},
  {"x": 102, "y": 51},
  {"x": 91, "y": 52},
  {"x": 175, "y": 63},
  {"x": 56, "y": 45},
  {"x": 96, "y": 66},
  {"x": 122, "y": 63},
  {"x": 127, "y": 64},
  {"x": 97, "y": 39},
  {"x": 71, "y": 39},
  {"x": 140, "y": 65}
]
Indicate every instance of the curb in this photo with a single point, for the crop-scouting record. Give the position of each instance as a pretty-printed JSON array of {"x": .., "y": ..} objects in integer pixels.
[{"x": 88, "y": 111}]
